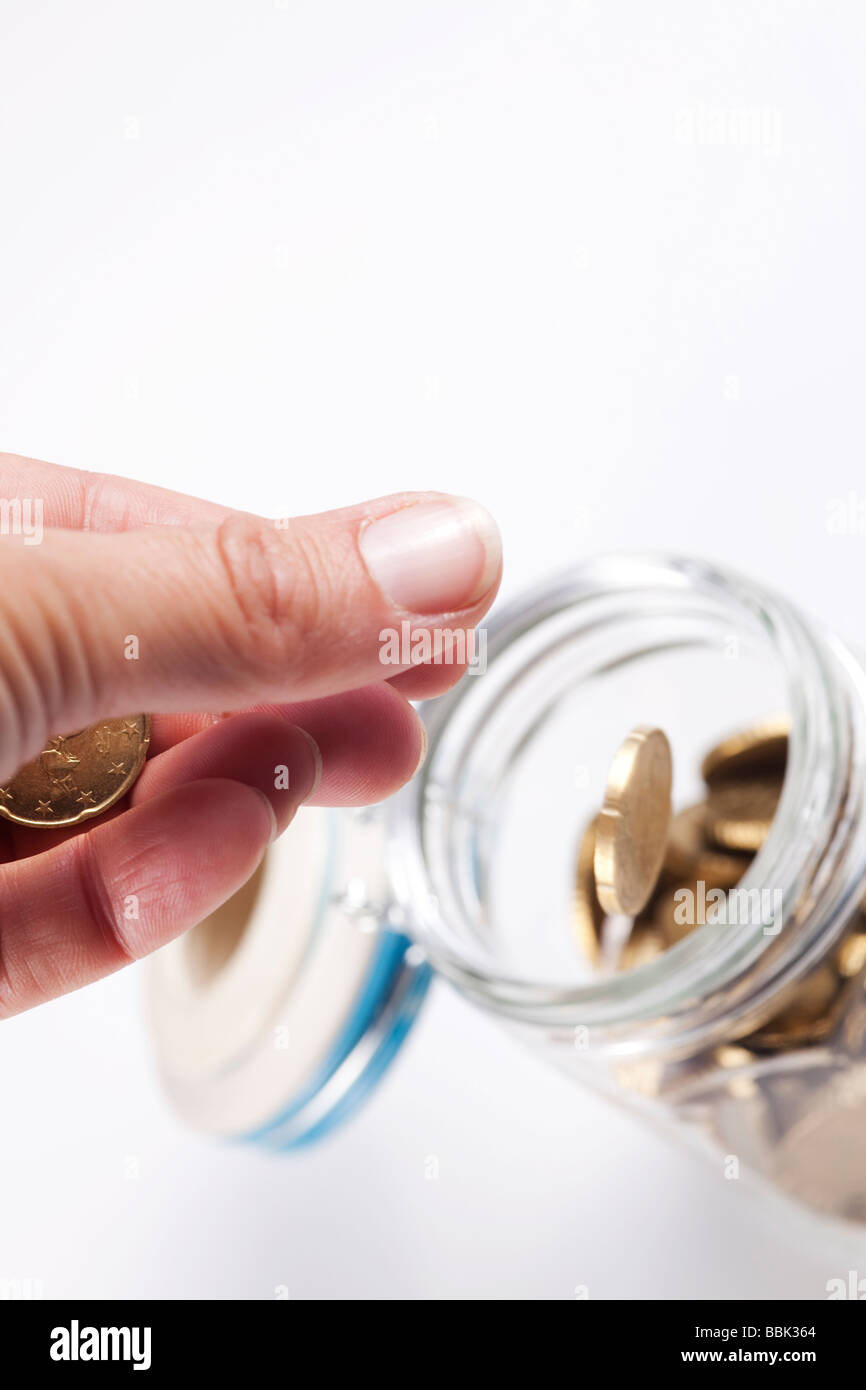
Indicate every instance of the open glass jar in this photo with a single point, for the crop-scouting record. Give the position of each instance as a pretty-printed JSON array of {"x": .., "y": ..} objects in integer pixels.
[{"x": 469, "y": 872}]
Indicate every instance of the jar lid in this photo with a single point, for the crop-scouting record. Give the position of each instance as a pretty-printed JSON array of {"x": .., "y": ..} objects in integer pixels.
[{"x": 274, "y": 1018}]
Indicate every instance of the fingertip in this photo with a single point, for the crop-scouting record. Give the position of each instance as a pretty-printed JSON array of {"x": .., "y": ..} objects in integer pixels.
[
  {"x": 278, "y": 759},
  {"x": 318, "y": 764}
]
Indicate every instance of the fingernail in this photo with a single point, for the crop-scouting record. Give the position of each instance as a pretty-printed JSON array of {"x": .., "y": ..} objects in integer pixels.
[
  {"x": 297, "y": 779},
  {"x": 310, "y": 785},
  {"x": 423, "y": 753},
  {"x": 275, "y": 829},
  {"x": 434, "y": 557}
]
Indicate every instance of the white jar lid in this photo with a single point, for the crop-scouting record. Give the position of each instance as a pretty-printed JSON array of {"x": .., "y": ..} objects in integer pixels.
[{"x": 274, "y": 1028}]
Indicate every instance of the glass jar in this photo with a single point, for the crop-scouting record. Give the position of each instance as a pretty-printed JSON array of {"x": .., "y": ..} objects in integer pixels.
[{"x": 469, "y": 872}]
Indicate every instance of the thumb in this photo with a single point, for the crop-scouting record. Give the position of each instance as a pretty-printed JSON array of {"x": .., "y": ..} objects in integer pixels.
[{"x": 96, "y": 626}]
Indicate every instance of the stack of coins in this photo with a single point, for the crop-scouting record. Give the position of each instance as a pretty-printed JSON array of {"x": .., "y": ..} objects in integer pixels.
[{"x": 706, "y": 846}]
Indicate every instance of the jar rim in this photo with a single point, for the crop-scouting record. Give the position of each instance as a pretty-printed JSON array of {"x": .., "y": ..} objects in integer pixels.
[{"x": 690, "y": 991}]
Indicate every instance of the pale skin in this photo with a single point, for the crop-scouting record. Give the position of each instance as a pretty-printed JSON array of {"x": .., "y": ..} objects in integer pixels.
[{"x": 258, "y": 647}]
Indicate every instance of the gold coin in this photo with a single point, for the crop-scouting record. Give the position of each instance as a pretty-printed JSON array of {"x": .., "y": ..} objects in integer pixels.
[
  {"x": 78, "y": 776},
  {"x": 808, "y": 1018},
  {"x": 733, "y": 1055},
  {"x": 851, "y": 954},
  {"x": 632, "y": 827},
  {"x": 690, "y": 861},
  {"x": 668, "y": 911},
  {"x": 737, "y": 1059},
  {"x": 588, "y": 914},
  {"x": 760, "y": 751},
  {"x": 666, "y": 919},
  {"x": 739, "y": 814},
  {"x": 689, "y": 857},
  {"x": 819, "y": 1159},
  {"x": 644, "y": 944}
]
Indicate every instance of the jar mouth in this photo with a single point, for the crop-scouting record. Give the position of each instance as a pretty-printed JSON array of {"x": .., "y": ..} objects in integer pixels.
[{"x": 569, "y": 640}]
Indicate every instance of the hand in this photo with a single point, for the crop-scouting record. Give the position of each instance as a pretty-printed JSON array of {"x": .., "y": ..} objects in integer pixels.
[{"x": 228, "y": 613}]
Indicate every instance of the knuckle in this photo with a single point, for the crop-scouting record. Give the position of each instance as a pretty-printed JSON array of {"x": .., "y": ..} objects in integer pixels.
[
  {"x": 90, "y": 489},
  {"x": 20, "y": 982},
  {"x": 276, "y": 587},
  {"x": 99, "y": 908},
  {"x": 34, "y": 663},
  {"x": 49, "y": 663}
]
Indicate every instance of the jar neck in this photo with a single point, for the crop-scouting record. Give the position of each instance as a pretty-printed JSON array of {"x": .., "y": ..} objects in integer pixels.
[{"x": 811, "y": 868}]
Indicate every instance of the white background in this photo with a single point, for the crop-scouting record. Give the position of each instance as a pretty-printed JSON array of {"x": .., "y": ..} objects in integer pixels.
[{"x": 599, "y": 265}]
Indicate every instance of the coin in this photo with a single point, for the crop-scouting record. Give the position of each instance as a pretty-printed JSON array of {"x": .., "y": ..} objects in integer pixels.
[
  {"x": 588, "y": 915},
  {"x": 666, "y": 918},
  {"x": 689, "y": 857},
  {"x": 820, "y": 1158},
  {"x": 759, "y": 751},
  {"x": 78, "y": 776},
  {"x": 643, "y": 945},
  {"x": 690, "y": 861},
  {"x": 808, "y": 1018},
  {"x": 851, "y": 954},
  {"x": 739, "y": 814},
  {"x": 671, "y": 907},
  {"x": 732, "y": 1057},
  {"x": 632, "y": 828}
]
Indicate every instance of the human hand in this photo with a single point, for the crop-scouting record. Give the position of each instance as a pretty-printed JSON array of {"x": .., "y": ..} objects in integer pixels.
[{"x": 232, "y": 617}]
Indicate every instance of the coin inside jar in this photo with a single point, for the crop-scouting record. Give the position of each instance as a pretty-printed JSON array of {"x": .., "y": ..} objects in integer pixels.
[
  {"x": 644, "y": 944},
  {"x": 807, "y": 1017},
  {"x": 689, "y": 856},
  {"x": 632, "y": 826},
  {"x": 761, "y": 751},
  {"x": 708, "y": 846},
  {"x": 739, "y": 814},
  {"x": 78, "y": 776},
  {"x": 851, "y": 954},
  {"x": 588, "y": 914}
]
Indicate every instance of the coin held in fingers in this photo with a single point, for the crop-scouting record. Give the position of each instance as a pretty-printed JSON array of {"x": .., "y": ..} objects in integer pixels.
[
  {"x": 78, "y": 776},
  {"x": 633, "y": 824}
]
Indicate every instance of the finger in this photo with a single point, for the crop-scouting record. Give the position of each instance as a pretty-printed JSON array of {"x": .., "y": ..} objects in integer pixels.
[
  {"x": 370, "y": 742},
  {"x": 278, "y": 759},
  {"x": 169, "y": 618},
  {"x": 256, "y": 749},
  {"x": 425, "y": 682},
  {"x": 421, "y": 683},
  {"x": 376, "y": 716},
  {"x": 101, "y": 900},
  {"x": 168, "y": 729},
  {"x": 28, "y": 839},
  {"x": 20, "y": 841},
  {"x": 77, "y": 500},
  {"x": 448, "y": 657}
]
